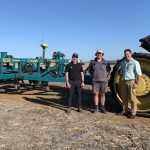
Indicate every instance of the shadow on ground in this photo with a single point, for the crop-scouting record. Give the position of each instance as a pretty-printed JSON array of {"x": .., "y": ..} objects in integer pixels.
[{"x": 61, "y": 102}]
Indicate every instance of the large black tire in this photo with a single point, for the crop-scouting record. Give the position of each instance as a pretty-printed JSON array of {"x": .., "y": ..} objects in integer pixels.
[{"x": 144, "y": 97}]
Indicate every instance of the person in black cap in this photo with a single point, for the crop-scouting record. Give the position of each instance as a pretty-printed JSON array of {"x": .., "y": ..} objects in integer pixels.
[{"x": 74, "y": 81}]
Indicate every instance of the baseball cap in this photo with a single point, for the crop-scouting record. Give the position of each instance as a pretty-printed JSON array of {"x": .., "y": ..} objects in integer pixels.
[
  {"x": 75, "y": 55},
  {"x": 99, "y": 51}
]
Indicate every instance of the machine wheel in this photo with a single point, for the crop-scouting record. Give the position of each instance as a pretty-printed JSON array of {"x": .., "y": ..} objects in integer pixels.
[{"x": 143, "y": 89}]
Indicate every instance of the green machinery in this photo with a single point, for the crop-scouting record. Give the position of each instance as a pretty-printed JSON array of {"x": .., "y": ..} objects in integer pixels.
[{"x": 33, "y": 69}]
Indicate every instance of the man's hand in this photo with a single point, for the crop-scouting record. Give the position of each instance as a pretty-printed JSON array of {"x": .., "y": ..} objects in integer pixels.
[
  {"x": 68, "y": 85},
  {"x": 82, "y": 84},
  {"x": 134, "y": 86}
]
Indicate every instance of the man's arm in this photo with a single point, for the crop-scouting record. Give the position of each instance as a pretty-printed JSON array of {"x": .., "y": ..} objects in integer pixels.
[
  {"x": 67, "y": 77},
  {"x": 67, "y": 80},
  {"x": 82, "y": 78},
  {"x": 138, "y": 73},
  {"x": 137, "y": 79}
]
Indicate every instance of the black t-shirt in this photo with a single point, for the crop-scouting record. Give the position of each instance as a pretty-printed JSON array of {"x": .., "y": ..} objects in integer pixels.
[{"x": 74, "y": 71}]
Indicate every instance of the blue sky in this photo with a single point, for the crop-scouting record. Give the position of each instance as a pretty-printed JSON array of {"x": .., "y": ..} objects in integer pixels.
[{"x": 69, "y": 26}]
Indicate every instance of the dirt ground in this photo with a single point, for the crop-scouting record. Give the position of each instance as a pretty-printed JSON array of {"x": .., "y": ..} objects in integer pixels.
[{"x": 35, "y": 119}]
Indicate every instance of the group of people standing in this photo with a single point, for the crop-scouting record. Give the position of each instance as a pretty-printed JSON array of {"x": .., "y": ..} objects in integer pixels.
[{"x": 99, "y": 69}]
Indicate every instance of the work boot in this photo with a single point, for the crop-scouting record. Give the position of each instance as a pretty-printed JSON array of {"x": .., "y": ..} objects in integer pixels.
[
  {"x": 95, "y": 111},
  {"x": 80, "y": 110},
  {"x": 68, "y": 110},
  {"x": 103, "y": 110}
]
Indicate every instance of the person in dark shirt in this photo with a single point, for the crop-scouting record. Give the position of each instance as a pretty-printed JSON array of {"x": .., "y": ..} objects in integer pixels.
[
  {"x": 74, "y": 81},
  {"x": 99, "y": 69}
]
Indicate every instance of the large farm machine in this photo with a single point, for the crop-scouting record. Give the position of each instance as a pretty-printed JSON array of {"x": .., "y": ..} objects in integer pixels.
[{"x": 34, "y": 70}]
